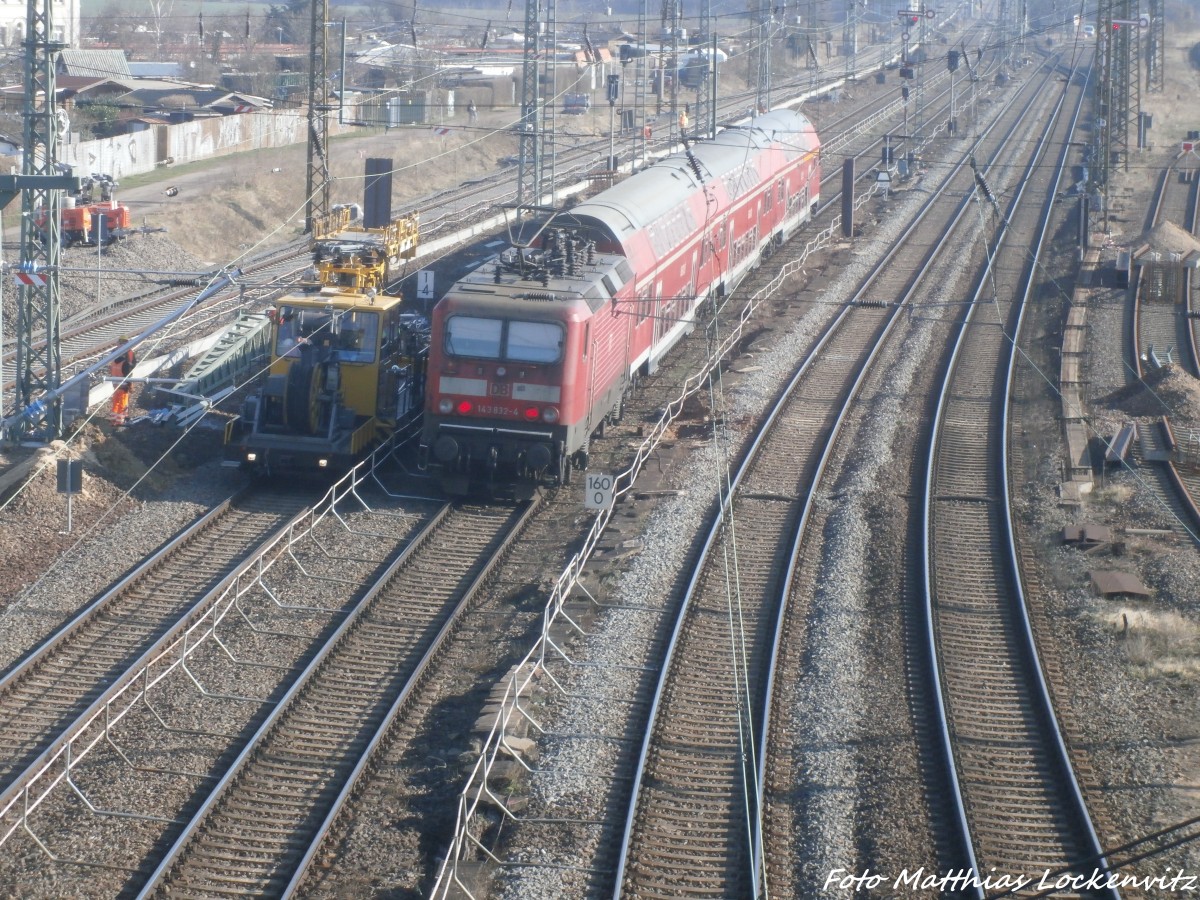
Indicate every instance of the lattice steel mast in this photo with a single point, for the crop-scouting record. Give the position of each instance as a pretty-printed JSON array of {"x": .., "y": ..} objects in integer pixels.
[
  {"x": 549, "y": 78},
  {"x": 669, "y": 57},
  {"x": 39, "y": 359},
  {"x": 317, "y": 203},
  {"x": 762, "y": 74},
  {"x": 704, "y": 108},
  {"x": 528, "y": 157},
  {"x": 1120, "y": 81},
  {"x": 641, "y": 69},
  {"x": 1156, "y": 49}
]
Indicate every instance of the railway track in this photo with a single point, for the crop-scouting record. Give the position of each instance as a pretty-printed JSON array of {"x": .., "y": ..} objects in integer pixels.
[
  {"x": 1162, "y": 330},
  {"x": 218, "y": 664},
  {"x": 56, "y": 682},
  {"x": 293, "y": 688},
  {"x": 1165, "y": 332},
  {"x": 87, "y": 335},
  {"x": 715, "y": 852},
  {"x": 257, "y": 831},
  {"x": 1020, "y": 810},
  {"x": 720, "y": 699}
]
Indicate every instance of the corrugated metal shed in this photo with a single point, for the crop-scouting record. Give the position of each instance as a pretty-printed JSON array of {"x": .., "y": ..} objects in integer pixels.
[{"x": 93, "y": 63}]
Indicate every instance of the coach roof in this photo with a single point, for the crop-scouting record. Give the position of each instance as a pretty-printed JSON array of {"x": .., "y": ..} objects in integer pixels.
[{"x": 637, "y": 202}]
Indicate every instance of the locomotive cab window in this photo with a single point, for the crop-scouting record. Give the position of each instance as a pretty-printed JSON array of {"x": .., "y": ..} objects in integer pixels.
[
  {"x": 357, "y": 333},
  {"x": 472, "y": 336},
  {"x": 532, "y": 342},
  {"x": 535, "y": 342},
  {"x": 352, "y": 336}
]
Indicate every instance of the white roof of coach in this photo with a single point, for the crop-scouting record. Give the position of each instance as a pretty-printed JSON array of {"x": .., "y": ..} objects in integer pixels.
[{"x": 651, "y": 193}]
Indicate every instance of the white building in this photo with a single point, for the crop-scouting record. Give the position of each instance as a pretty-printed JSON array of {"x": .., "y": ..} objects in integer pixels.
[{"x": 64, "y": 16}]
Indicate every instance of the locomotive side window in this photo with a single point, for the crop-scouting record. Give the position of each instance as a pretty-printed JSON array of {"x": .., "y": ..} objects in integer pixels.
[
  {"x": 472, "y": 336},
  {"x": 535, "y": 342}
]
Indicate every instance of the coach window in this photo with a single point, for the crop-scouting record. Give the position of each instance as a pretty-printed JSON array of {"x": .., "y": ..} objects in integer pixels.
[
  {"x": 535, "y": 342},
  {"x": 472, "y": 336}
]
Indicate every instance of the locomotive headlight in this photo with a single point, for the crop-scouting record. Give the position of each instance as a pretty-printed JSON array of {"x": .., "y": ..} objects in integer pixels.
[
  {"x": 445, "y": 405},
  {"x": 251, "y": 456},
  {"x": 550, "y": 414}
]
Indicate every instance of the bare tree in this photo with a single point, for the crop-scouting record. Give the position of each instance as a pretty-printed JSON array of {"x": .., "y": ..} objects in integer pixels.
[{"x": 159, "y": 10}]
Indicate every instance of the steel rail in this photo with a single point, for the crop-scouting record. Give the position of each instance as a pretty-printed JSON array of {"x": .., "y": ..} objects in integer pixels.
[
  {"x": 839, "y": 322},
  {"x": 1056, "y": 741},
  {"x": 191, "y": 631}
]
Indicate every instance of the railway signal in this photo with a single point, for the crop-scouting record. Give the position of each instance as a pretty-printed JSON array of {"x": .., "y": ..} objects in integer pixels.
[{"x": 912, "y": 16}]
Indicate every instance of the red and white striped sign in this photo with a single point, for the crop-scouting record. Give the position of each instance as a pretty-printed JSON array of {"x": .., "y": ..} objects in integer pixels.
[
  {"x": 30, "y": 279},
  {"x": 440, "y": 130}
]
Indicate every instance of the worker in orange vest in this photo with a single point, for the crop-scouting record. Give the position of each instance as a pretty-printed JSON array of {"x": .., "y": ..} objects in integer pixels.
[{"x": 121, "y": 367}]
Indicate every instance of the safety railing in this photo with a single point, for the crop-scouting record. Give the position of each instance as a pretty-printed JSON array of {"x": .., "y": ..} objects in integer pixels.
[
  {"x": 468, "y": 837},
  {"x": 170, "y": 654}
]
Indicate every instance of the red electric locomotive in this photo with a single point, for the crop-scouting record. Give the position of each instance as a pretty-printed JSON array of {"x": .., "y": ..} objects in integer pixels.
[{"x": 533, "y": 350}]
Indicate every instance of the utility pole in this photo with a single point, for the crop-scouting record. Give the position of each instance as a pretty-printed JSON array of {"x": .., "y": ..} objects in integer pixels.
[
  {"x": 850, "y": 39},
  {"x": 1120, "y": 82},
  {"x": 41, "y": 182},
  {"x": 641, "y": 69},
  {"x": 316, "y": 204},
  {"x": 528, "y": 164},
  {"x": 1119, "y": 87},
  {"x": 549, "y": 78}
]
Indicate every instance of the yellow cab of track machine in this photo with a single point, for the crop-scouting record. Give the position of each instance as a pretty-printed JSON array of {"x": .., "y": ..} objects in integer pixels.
[{"x": 347, "y": 365}]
